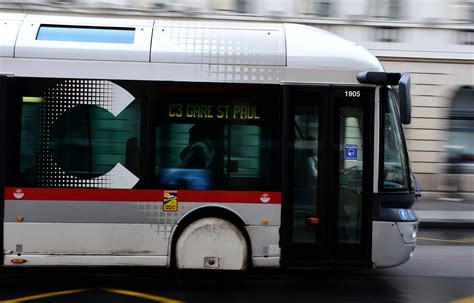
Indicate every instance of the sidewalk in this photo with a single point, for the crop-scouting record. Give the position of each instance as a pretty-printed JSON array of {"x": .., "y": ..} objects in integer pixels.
[{"x": 439, "y": 211}]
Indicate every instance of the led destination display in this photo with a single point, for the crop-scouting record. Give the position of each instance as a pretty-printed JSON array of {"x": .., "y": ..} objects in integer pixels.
[{"x": 213, "y": 111}]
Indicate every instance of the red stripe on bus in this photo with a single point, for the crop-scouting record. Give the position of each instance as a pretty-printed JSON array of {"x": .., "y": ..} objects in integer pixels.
[{"x": 140, "y": 195}]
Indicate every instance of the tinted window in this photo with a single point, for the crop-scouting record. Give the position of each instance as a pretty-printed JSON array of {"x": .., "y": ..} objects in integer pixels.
[
  {"x": 351, "y": 157},
  {"x": 88, "y": 141},
  {"x": 217, "y": 137},
  {"x": 86, "y": 34},
  {"x": 73, "y": 131},
  {"x": 395, "y": 162}
]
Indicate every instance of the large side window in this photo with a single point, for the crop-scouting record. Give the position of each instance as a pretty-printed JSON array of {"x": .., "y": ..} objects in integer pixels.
[
  {"x": 88, "y": 141},
  {"x": 216, "y": 137},
  {"x": 395, "y": 160},
  {"x": 29, "y": 137},
  {"x": 75, "y": 132}
]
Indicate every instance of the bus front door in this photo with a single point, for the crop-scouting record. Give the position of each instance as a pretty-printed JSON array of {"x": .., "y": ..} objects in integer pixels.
[{"x": 325, "y": 215}]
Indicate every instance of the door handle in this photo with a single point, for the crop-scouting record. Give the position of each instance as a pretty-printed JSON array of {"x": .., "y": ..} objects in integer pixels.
[{"x": 312, "y": 221}]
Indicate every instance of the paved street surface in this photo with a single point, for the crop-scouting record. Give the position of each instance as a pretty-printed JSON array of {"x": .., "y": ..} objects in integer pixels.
[
  {"x": 438, "y": 211},
  {"x": 442, "y": 270}
]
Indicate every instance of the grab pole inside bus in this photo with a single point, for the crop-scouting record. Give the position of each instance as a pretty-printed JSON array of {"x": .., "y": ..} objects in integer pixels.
[{"x": 3, "y": 155}]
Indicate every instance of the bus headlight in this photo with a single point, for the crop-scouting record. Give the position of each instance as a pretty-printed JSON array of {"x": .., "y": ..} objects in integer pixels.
[{"x": 415, "y": 231}]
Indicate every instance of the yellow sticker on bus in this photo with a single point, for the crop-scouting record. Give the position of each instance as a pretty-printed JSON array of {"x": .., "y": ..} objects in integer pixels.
[{"x": 170, "y": 200}]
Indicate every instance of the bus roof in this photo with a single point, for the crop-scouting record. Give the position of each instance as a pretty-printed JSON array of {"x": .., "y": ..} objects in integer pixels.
[{"x": 176, "y": 50}]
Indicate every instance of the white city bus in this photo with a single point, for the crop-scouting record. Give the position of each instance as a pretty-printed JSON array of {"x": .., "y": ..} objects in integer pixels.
[{"x": 199, "y": 144}]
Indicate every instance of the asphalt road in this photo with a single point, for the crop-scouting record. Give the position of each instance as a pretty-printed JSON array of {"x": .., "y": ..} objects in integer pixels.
[{"x": 442, "y": 270}]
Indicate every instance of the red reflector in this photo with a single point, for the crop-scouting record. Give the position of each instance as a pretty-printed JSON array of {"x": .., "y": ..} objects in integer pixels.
[
  {"x": 18, "y": 261},
  {"x": 312, "y": 221}
]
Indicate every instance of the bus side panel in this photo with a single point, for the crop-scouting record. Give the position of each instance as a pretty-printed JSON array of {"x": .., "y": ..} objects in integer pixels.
[
  {"x": 118, "y": 228},
  {"x": 94, "y": 160},
  {"x": 86, "y": 239}
]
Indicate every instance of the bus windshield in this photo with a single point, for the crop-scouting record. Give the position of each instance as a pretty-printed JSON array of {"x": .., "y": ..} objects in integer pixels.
[{"x": 395, "y": 165}]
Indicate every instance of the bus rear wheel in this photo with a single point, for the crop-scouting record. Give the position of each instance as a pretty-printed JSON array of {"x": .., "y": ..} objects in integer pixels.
[{"x": 213, "y": 244}]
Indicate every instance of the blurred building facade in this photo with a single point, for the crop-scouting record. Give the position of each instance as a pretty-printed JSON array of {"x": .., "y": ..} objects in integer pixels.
[{"x": 431, "y": 39}]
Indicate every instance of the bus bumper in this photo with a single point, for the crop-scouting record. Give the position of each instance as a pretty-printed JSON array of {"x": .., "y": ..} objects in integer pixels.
[{"x": 393, "y": 243}]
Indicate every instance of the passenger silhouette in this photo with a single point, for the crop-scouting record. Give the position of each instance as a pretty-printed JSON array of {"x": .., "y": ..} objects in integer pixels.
[
  {"x": 312, "y": 158},
  {"x": 200, "y": 152}
]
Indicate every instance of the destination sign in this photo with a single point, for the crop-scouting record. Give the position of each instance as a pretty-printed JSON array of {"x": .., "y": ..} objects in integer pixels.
[{"x": 213, "y": 111}]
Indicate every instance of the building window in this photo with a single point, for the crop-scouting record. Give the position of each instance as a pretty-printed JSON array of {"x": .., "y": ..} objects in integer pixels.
[
  {"x": 62, "y": 1},
  {"x": 239, "y": 6},
  {"x": 160, "y": 4},
  {"x": 386, "y": 34},
  {"x": 389, "y": 9},
  {"x": 316, "y": 7},
  {"x": 471, "y": 12},
  {"x": 460, "y": 145},
  {"x": 466, "y": 37},
  {"x": 463, "y": 11}
]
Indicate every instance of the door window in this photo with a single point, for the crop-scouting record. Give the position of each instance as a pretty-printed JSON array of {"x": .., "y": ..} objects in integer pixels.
[
  {"x": 350, "y": 174},
  {"x": 305, "y": 172}
]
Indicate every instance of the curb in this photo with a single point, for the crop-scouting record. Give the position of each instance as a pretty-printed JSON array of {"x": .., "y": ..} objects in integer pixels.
[{"x": 446, "y": 224}]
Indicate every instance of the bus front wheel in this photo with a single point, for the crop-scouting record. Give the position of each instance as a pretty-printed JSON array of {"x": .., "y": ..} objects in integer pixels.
[{"x": 211, "y": 243}]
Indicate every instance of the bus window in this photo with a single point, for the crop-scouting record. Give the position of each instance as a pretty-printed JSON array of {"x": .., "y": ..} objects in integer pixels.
[
  {"x": 216, "y": 137},
  {"x": 88, "y": 141},
  {"x": 186, "y": 155},
  {"x": 350, "y": 174},
  {"x": 247, "y": 146},
  {"x": 69, "y": 137},
  {"x": 29, "y": 138},
  {"x": 395, "y": 166},
  {"x": 85, "y": 34},
  {"x": 305, "y": 172}
]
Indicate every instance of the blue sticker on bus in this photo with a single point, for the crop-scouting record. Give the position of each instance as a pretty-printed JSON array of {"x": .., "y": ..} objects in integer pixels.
[
  {"x": 411, "y": 214},
  {"x": 403, "y": 214},
  {"x": 351, "y": 152}
]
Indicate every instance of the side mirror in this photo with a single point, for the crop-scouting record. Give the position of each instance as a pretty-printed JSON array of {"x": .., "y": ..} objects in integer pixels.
[
  {"x": 404, "y": 83},
  {"x": 405, "y": 98}
]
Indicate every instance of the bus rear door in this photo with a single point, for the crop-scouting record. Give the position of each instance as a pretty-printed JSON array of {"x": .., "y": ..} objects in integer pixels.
[
  {"x": 3, "y": 151},
  {"x": 329, "y": 150}
]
